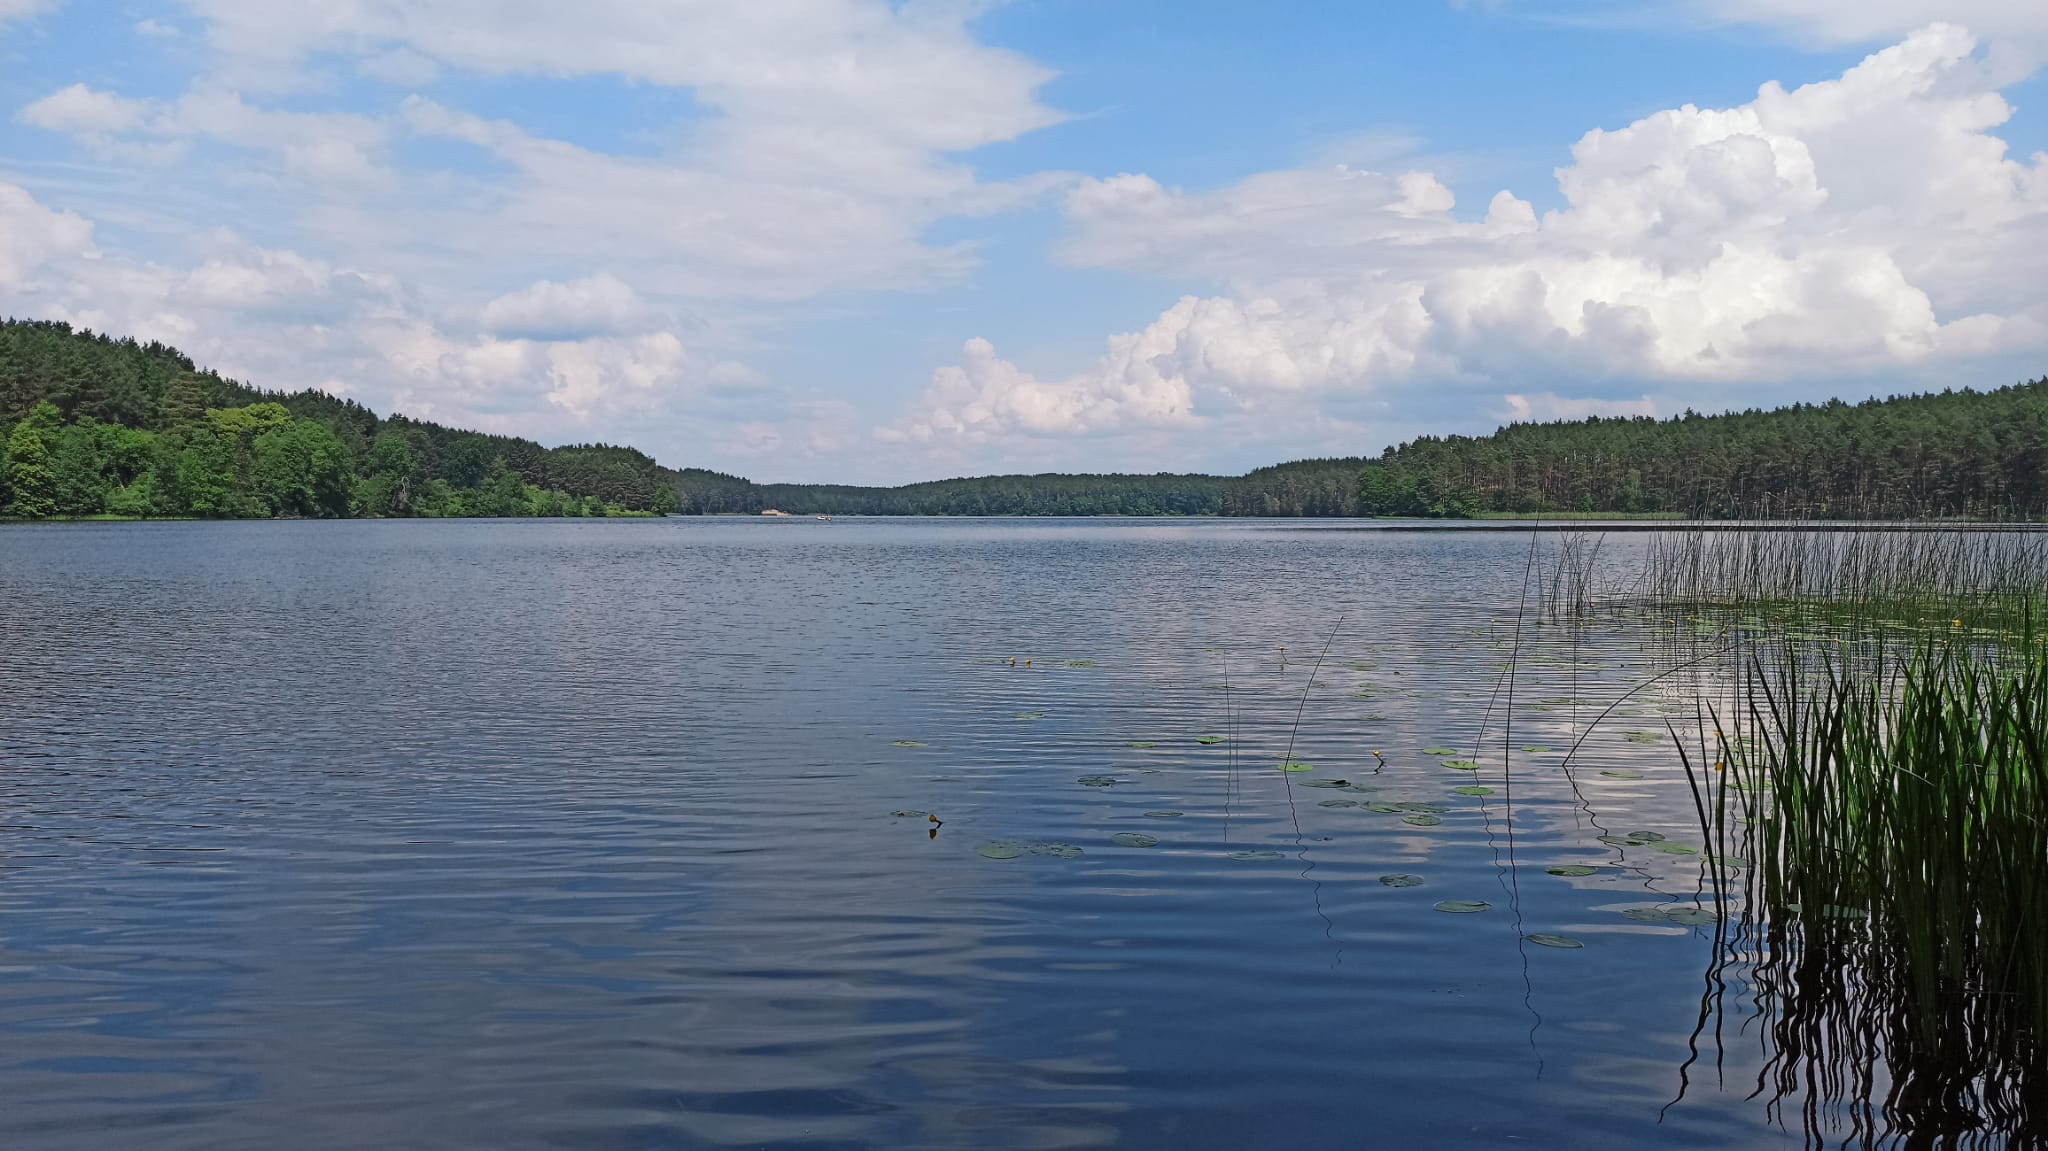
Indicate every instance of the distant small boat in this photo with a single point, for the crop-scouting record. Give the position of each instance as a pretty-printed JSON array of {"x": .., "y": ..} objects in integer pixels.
[
  {"x": 776, "y": 514},
  {"x": 825, "y": 519}
]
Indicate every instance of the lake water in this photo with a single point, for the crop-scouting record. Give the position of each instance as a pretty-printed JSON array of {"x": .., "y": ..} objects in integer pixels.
[{"x": 584, "y": 835}]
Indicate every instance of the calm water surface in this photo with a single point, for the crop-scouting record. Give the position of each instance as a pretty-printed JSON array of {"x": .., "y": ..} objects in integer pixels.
[{"x": 565, "y": 834}]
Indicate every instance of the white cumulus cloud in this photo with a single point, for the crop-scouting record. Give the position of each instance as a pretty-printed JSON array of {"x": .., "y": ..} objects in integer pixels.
[
  {"x": 1864, "y": 224},
  {"x": 600, "y": 303}
]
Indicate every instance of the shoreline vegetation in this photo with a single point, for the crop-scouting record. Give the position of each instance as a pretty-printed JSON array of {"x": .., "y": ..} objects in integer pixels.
[
  {"x": 93, "y": 427},
  {"x": 1868, "y": 762}
]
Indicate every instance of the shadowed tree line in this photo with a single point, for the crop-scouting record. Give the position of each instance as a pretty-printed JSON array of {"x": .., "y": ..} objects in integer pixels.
[
  {"x": 1963, "y": 454},
  {"x": 91, "y": 425}
]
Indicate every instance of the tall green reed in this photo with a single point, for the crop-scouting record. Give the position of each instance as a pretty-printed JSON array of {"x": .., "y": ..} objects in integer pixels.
[{"x": 1885, "y": 807}]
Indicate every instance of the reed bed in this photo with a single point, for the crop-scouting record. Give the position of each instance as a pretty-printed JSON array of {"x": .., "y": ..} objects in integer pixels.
[
  {"x": 1860, "y": 566},
  {"x": 1882, "y": 812}
]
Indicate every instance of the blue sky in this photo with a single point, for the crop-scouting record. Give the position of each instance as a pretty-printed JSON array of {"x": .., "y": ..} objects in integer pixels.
[{"x": 849, "y": 240}]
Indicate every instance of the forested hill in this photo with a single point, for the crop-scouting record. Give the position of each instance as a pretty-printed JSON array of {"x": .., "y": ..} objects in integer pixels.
[
  {"x": 1980, "y": 455},
  {"x": 91, "y": 425}
]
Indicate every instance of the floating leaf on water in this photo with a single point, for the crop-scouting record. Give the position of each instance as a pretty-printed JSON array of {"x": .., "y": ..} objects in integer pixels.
[
  {"x": 1134, "y": 839},
  {"x": 1644, "y": 737},
  {"x": 1462, "y": 764},
  {"x": 906, "y": 813},
  {"x": 1472, "y": 789},
  {"x": 907, "y": 743},
  {"x": 1729, "y": 861},
  {"x": 1401, "y": 880},
  {"x": 1692, "y": 916},
  {"x": 1621, "y": 773},
  {"x": 1386, "y": 808},
  {"x": 1670, "y": 848},
  {"x": 1142, "y": 746},
  {"x": 1535, "y": 749},
  {"x": 1573, "y": 870},
  {"x": 1647, "y": 836},
  {"x": 1256, "y": 856},
  {"x": 1080, "y": 663},
  {"x": 1164, "y": 814},
  {"x": 1645, "y": 914},
  {"x": 1057, "y": 850},
  {"x": 1463, "y": 906},
  {"x": 1361, "y": 665},
  {"x": 1422, "y": 808},
  {"x": 1297, "y": 765},
  {"x": 1324, "y": 782},
  {"x": 1029, "y": 715},
  {"x": 1207, "y": 740},
  {"x": 1423, "y": 820},
  {"x": 1338, "y": 803},
  {"x": 1097, "y": 781},
  {"x": 1561, "y": 942},
  {"x": 1620, "y": 841},
  {"x": 1002, "y": 849},
  {"x": 1439, "y": 751}
]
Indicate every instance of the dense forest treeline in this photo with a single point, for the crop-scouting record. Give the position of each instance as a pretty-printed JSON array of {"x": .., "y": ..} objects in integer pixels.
[
  {"x": 92, "y": 425},
  {"x": 1051, "y": 494},
  {"x": 1969, "y": 454}
]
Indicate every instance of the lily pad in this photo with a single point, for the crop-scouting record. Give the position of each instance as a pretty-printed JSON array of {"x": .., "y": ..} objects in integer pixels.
[
  {"x": 1621, "y": 773},
  {"x": 1080, "y": 663},
  {"x": 1002, "y": 849},
  {"x": 1207, "y": 740},
  {"x": 1692, "y": 916},
  {"x": 1472, "y": 789},
  {"x": 1256, "y": 856},
  {"x": 1164, "y": 814},
  {"x": 1561, "y": 942},
  {"x": 1463, "y": 906},
  {"x": 1029, "y": 715},
  {"x": 1644, "y": 914},
  {"x": 1134, "y": 839},
  {"x": 906, "y": 813},
  {"x": 1647, "y": 836},
  {"x": 1572, "y": 870},
  {"x": 1729, "y": 861},
  {"x": 1386, "y": 808},
  {"x": 1423, "y": 820},
  {"x": 1142, "y": 746},
  {"x": 1462, "y": 764},
  {"x": 1338, "y": 803},
  {"x": 1670, "y": 848},
  {"x": 1644, "y": 737},
  {"x": 1057, "y": 850},
  {"x": 908, "y": 743},
  {"x": 1297, "y": 765},
  {"x": 1097, "y": 781},
  {"x": 1439, "y": 751},
  {"x": 1324, "y": 782},
  {"x": 1535, "y": 749},
  {"x": 1420, "y": 808},
  {"x": 1401, "y": 880}
]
